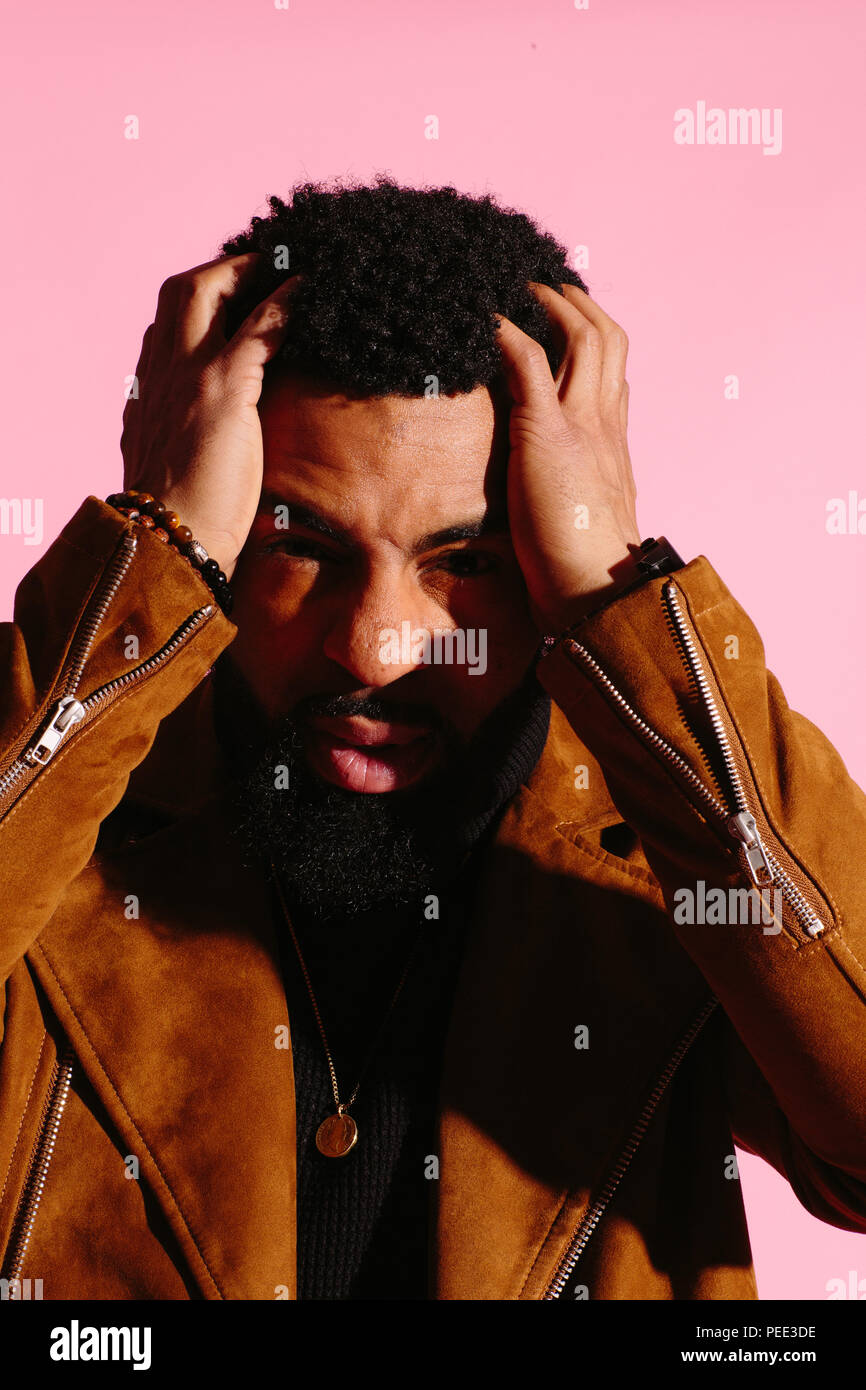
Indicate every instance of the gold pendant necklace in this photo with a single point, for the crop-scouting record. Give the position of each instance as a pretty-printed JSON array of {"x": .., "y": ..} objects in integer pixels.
[{"x": 338, "y": 1134}]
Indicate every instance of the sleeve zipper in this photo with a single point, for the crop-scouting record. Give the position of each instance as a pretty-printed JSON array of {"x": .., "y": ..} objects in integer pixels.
[
  {"x": 737, "y": 819},
  {"x": 66, "y": 711},
  {"x": 748, "y": 824}
]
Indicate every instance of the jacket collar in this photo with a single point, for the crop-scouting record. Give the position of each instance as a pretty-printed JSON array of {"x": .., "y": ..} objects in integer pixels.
[{"x": 175, "y": 1019}]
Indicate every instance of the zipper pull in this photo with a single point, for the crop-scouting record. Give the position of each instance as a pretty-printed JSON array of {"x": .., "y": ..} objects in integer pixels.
[
  {"x": 64, "y": 715},
  {"x": 743, "y": 829}
]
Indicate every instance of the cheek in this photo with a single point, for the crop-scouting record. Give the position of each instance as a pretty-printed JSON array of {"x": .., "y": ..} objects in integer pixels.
[
  {"x": 501, "y": 609},
  {"x": 504, "y": 643},
  {"x": 278, "y": 636},
  {"x": 467, "y": 695}
]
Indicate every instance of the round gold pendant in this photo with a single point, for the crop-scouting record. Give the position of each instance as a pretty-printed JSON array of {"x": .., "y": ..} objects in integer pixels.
[{"x": 336, "y": 1135}]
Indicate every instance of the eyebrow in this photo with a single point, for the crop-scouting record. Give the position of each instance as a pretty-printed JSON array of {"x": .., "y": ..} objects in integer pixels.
[{"x": 494, "y": 521}]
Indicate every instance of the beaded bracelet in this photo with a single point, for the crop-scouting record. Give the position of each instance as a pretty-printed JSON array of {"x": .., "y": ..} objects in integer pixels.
[{"x": 166, "y": 525}]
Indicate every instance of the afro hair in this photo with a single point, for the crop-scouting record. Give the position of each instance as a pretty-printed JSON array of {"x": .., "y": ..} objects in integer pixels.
[{"x": 399, "y": 284}]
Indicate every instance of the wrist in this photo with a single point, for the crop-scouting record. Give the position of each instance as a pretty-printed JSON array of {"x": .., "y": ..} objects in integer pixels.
[
  {"x": 158, "y": 517},
  {"x": 590, "y": 591},
  {"x": 219, "y": 547},
  {"x": 646, "y": 560}
]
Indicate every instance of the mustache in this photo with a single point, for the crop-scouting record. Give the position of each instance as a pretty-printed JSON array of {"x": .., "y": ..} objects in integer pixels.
[
  {"x": 237, "y": 706},
  {"x": 371, "y": 707}
]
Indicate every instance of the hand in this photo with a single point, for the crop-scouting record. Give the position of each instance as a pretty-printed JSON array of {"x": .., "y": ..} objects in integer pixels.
[
  {"x": 571, "y": 493},
  {"x": 193, "y": 439}
]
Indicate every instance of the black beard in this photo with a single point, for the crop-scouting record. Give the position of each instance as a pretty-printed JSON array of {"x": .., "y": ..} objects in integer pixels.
[{"x": 341, "y": 853}]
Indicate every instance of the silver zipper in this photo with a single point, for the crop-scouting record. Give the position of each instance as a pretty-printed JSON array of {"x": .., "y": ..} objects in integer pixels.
[
  {"x": 98, "y": 607},
  {"x": 763, "y": 866},
  {"x": 737, "y": 821},
  {"x": 69, "y": 712},
  {"x": 596, "y": 1211},
  {"x": 40, "y": 1162},
  {"x": 90, "y": 706}
]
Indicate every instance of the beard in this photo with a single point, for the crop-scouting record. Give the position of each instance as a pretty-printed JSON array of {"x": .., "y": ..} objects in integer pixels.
[{"x": 341, "y": 853}]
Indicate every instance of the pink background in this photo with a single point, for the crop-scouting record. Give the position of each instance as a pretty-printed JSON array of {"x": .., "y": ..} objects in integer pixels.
[{"x": 715, "y": 259}]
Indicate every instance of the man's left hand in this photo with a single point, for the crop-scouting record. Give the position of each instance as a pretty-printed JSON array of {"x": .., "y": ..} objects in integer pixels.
[{"x": 571, "y": 493}]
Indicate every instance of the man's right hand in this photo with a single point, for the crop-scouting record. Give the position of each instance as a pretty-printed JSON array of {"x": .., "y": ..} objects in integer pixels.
[{"x": 193, "y": 438}]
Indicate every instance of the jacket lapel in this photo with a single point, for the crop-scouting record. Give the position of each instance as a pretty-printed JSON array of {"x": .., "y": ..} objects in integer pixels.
[
  {"x": 564, "y": 937},
  {"x": 174, "y": 1018}
]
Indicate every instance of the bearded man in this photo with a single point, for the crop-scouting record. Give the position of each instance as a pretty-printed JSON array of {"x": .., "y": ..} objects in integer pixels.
[{"x": 404, "y": 895}]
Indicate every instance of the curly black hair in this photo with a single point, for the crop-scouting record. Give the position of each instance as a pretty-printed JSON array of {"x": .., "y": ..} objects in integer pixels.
[{"x": 400, "y": 284}]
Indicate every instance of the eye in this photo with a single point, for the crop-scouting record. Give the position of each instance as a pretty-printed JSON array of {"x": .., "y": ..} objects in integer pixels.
[
  {"x": 299, "y": 546},
  {"x": 467, "y": 564}
]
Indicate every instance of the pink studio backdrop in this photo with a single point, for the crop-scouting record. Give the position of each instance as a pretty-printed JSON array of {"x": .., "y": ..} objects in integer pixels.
[{"x": 718, "y": 260}]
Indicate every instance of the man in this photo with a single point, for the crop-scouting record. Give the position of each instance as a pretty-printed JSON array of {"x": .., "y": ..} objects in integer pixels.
[{"x": 435, "y": 925}]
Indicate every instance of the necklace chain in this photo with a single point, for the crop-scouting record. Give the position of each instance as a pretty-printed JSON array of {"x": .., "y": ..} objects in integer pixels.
[{"x": 342, "y": 1107}]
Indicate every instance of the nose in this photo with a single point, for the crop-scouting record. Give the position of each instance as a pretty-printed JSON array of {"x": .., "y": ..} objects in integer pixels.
[{"x": 370, "y": 632}]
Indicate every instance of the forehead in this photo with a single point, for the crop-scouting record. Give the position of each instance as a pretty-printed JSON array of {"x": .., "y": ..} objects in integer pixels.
[{"x": 405, "y": 445}]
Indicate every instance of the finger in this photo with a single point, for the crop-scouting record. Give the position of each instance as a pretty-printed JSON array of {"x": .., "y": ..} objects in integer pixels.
[
  {"x": 140, "y": 371},
  {"x": 203, "y": 297},
  {"x": 263, "y": 330},
  {"x": 144, "y": 354},
  {"x": 135, "y": 391},
  {"x": 614, "y": 340},
  {"x": 527, "y": 373},
  {"x": 187, "y": 302},
  {"x": 579, "y": 378}
]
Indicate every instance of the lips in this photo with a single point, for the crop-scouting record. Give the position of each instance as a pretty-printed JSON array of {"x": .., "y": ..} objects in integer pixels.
[
  {"x": 369, "y": 733},
  {"x": 370, "y": 755}
]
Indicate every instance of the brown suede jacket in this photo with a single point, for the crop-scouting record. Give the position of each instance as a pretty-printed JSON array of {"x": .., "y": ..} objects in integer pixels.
[{"x": 604, "y": 1054}]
